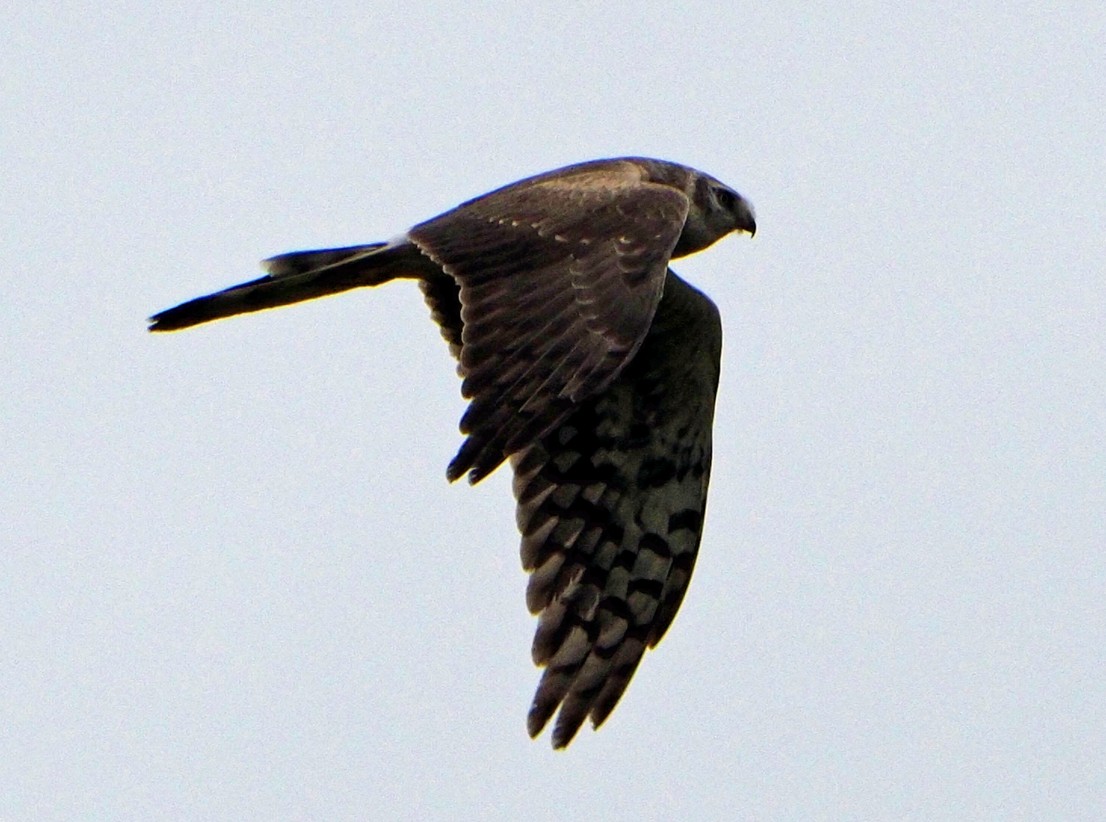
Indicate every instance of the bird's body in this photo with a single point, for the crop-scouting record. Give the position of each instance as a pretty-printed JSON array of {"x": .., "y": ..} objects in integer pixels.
[{"x": 589, "y": 365}]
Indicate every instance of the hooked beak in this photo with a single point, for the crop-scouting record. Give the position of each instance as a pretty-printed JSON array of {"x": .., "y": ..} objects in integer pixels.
[{"x": 746, "y": 219}]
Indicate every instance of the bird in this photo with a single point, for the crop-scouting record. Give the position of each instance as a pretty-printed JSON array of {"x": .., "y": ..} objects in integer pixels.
[{"x": 589, "y": 366}]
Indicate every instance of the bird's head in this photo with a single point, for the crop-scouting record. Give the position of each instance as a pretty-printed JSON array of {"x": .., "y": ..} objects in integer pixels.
[{"x": 715, "y": 211}]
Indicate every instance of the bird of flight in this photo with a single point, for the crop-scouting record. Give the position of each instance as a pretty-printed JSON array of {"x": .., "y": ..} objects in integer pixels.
[{"x": 590, "y": 366}]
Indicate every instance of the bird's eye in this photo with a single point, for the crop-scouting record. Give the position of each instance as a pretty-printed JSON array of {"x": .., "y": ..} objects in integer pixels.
[{"x": 726, "y": 198}]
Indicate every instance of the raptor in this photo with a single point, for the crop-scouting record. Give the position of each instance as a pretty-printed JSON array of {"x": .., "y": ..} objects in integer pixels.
[{"x": 590, "y": 366}]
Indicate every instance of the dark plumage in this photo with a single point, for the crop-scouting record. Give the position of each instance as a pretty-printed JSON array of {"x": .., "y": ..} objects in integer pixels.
[{"x": 588, "y": 364}]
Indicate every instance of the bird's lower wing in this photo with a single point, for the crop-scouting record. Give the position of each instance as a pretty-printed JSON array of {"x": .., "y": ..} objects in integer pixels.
[{"x": 610, "y": 506}]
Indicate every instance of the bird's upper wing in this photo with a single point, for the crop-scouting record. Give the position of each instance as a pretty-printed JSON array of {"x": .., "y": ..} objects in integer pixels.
[
  {"x": 559, "y": 277},
  {"x": 610, "y": 506}
]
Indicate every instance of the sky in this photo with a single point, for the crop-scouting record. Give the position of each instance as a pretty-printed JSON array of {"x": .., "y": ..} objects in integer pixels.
[{"x": 235, "y": 583}]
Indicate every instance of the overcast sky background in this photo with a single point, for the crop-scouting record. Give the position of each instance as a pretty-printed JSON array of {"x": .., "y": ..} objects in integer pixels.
[{"x": 235, "y": 583}]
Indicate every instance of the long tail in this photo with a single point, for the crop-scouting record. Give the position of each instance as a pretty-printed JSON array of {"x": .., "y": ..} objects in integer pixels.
[{"x": 297, "y": 276}]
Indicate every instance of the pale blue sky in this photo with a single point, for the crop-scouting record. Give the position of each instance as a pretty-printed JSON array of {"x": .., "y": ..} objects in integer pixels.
[{"x": 236, "y": 584}]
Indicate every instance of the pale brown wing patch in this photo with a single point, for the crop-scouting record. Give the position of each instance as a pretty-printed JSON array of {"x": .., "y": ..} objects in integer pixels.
[{"x": 558, "y": 281}]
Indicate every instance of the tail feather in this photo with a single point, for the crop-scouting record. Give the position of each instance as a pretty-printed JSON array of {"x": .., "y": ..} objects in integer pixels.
[
  {"x": 294, "y": 277},
  {"x": 304, "y": 262}
]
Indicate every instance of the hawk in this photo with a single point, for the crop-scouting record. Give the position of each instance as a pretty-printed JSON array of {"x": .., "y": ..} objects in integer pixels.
[{"x": 590, "y": 366}]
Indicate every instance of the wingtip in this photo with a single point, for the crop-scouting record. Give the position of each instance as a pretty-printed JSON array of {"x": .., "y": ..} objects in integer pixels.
[
  {"x": 564, "y": 729},
  {"x": 568, "y": 725},
  {"x": 538, "y": 717},
  {"x": 454, "y": 472},
  {"x": 469, "y": 462},
  {"x": 558, "y": 740}
]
